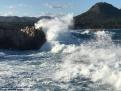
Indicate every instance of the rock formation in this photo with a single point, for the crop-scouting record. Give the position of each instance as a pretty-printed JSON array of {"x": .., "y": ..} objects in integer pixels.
[
  {"x": 101, "y": 15},
  {"x": 22, "y": 39}
]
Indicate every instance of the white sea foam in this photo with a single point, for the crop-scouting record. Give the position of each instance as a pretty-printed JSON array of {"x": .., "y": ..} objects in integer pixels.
[
  {"x": 56, "y": 30},
  {"x": 85, "y": 32},
  {"x": 98, "y": 60}
]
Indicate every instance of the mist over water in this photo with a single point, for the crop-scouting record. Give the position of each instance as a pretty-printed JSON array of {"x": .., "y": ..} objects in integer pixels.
[
  {"x": 57, "y": 32},
  {"x": 70, "y": 60},
  {"x": 96, "y": 64}
]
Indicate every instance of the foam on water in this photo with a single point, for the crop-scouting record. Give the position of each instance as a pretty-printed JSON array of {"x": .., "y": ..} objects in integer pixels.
[
  {"x": 93, "y": 65},
  {"x": 99, "y": 60},
  {"x": 56, "y": 30}
]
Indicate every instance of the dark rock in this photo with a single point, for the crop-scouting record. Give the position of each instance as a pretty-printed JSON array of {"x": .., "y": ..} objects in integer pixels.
[
  {"x": 22, "y": 39},
  {"x": 105, "y": 9},
  {"x": 101, "y": 15},
  {"x": 15, "y": 22}
]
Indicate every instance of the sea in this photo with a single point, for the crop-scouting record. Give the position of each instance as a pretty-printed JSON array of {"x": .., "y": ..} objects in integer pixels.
[{"x": 70, "y": 60}]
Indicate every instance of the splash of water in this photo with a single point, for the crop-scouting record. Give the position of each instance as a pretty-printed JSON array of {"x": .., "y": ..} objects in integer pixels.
[
  {"x": 56, "y": 30},
  {"x": 97, "y": 60}
]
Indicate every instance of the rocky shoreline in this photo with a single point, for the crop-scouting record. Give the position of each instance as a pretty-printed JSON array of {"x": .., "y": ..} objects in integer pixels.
[{"x": 28, "y": 38}]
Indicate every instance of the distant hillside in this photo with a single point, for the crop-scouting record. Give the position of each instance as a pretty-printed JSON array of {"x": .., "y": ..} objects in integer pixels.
[
  {"x": 101, "y": 15},
  {"x": 15, "y": 22}
]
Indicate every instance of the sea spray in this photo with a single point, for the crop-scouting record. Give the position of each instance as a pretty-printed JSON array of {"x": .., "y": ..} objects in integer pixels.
[
  {"x": 56, "y": 30},
  {"x": 97, "y": 61},
  {"x": 92, "y": 65},
  {"x": 56, "y": 27}
]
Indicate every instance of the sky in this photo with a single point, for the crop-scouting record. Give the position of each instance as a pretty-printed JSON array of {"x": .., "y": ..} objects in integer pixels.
[{"x": 48, "y": 7}]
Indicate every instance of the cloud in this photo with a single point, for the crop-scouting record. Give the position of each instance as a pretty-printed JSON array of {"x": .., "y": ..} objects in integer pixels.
[
  {"x": 11, "y": 7},
  {"x": 22, "y": 5},
  {"x": 17, "y": 6},
  {"x": 12, "y": 10},
  {"x": 10, "y": 13},
  {"x": 56, "y": 6}
]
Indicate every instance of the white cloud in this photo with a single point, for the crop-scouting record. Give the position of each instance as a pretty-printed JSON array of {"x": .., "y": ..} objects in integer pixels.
[
  {"x": 11, "y": 7},
  {"x": 56, "y": 5},
  {"x": 21, "y": 5},
  {"x": 10, "y": 11}
]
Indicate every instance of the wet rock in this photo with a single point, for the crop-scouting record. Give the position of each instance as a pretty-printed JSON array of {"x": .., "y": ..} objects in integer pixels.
[{"x": 22, "y": 39}]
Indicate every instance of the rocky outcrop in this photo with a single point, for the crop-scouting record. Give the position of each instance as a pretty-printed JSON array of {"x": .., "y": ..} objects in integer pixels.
[
  {"x": 15, "y": 22},
  {"x": 23, "y": 39},
  {"x": 101, "y": 15}
]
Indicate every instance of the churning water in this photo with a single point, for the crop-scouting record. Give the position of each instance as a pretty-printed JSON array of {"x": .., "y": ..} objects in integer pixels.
[{"x": 71, "y": 60}]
